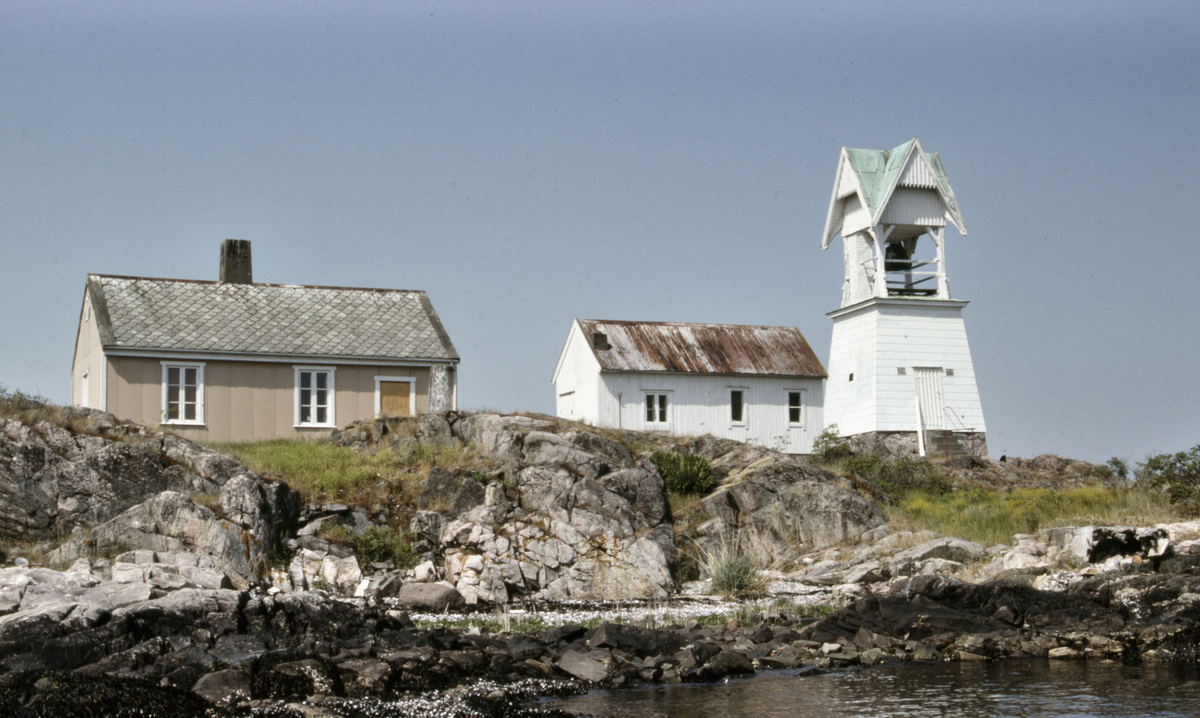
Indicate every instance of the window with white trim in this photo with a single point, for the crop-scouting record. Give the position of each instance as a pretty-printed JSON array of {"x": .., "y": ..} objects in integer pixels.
[
  {"x": 795, "y": 407},
  {"x": 84, "y": 394},
  {"x": 657, "y": 411},
  {"x": 737, "y": 406},
  {"x": 314, "y": 396},
  {"x": 182, "y": 393}
]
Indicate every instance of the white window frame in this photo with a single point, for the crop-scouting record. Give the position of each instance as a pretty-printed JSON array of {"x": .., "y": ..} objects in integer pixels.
[
  {"x": 745, "y": 405},
  {"x": 183, "y": 366},
  {"x": 84, "y": 393},
  {"x": 330, "y": 405},
  {"x": 788, "y": 407},
  {"x": 659, "y": 395},
  {"x": 412, "y": 393}
]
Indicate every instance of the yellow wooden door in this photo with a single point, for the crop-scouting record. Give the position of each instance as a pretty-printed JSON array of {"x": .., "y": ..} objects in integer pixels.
[{"x": 394, "y": 399}]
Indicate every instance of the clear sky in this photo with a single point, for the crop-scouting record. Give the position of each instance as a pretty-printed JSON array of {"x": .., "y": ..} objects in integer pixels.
[{"x": 530, "y": 162}]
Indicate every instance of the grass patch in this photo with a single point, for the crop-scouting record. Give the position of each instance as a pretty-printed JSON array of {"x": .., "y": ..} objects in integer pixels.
[
  {"x": 684, "y": 473},
  {"x": 322, "y": 472},
  {"x": 990, "y": 517},
  {"x": 731, "y": 570},
  {"x": 30, "y": 409},
  {"x": 895, "y": 478},
  {"x": 318, "y": 471}
]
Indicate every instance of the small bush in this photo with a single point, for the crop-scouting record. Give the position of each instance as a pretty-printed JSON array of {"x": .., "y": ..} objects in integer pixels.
[
  {"x": 380, "y": 544},
  {"x": 830, "y": 446},
  {"x": 732, "y": 572},
  {"x": 897, "y": 477},
  {"x": 684, "y": 473},
  {"x": 1178, "y": 474}
]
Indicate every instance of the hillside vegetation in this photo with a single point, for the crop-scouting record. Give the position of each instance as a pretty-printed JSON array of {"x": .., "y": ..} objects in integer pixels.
[{"x": 381, "y": 470}]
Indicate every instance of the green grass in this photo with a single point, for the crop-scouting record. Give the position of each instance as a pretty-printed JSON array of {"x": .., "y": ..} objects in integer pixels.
[
  {"x": 319, "y": 471},
  {"x": 990, "y": 517},
  {"x": 322, "y": 472},
  {"x": 29, "y": 409}
]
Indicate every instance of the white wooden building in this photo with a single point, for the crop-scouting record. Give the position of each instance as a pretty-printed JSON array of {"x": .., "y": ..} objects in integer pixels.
[
  {"x": 900, "y": 370},
  {"x": 751, "y": 383}
]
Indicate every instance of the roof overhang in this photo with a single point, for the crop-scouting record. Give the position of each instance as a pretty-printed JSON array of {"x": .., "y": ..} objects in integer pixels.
[{"x": 152, "y": 353}]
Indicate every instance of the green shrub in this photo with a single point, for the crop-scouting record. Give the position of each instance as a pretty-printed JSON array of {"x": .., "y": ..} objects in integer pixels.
[
  {"x": 684, "y": 473},
  {"x": 380, "y": 544},
  {"x": 898, "y": 477},
  {"x": 732, "y": 572},
  {"x": 1178, "y": 474},
  {"x": 830, "y": 446}
]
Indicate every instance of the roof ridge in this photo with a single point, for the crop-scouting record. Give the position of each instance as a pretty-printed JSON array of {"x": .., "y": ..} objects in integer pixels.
[
  {"x": 254, "y": 284},
  {"x": 629, "y": 322}
]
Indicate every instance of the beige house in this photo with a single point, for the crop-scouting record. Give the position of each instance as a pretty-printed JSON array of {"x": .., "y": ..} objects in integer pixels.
[{"x": 236, "y": 361}]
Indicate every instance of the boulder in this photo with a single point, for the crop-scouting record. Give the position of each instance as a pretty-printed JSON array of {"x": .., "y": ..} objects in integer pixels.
[
  {"x": 584, "y": 667},
  {"x": 223, "y": 688},
  {"x": 778, "y": 507},
  {"x": 431, "y": 596},
  {"x": 636, "y": 641},
  {"x": 172, "y": 522},
  {"x": 578, "y": 517},
  {"x": 947, "y": 548},
  {"x": 53, "y": 481}
]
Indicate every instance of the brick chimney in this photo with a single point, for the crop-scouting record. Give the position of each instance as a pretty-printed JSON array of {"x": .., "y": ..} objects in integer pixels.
[{"x": 235, "y": 262}]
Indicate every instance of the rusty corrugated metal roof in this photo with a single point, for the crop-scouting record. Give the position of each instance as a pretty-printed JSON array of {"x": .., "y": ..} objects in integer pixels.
[{"x": 702, "y": 348}]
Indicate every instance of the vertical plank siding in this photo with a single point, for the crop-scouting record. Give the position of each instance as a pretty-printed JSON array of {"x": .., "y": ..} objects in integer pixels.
[
  {"x": 700, "y": 404},
  {"x": 874, "y": 341},
  {"x": 245, "y": 401}
]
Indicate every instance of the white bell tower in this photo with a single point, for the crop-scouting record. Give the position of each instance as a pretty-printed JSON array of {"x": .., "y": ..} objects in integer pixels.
[{"x": 901, "y": 379}]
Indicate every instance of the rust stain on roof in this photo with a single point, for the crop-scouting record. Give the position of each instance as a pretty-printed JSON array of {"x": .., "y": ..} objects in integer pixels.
[{"x": 702, "y": 348}]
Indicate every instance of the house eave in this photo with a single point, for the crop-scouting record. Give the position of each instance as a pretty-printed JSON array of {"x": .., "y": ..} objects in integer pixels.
[
  {"x": 278, "y": 358},
  {"x": 714, "y": 374}
]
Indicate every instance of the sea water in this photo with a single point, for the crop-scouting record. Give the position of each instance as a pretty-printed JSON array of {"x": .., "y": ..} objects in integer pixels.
[{"x": 1057, "y": 689}]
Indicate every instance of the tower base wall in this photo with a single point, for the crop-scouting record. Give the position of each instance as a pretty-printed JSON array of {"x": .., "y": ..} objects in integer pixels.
[{"x": 938, "y": 443}]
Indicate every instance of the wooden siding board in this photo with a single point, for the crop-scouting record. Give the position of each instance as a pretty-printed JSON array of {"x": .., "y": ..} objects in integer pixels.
[
  {"x": 246, "y": 401},
  {"x": 874, "y": 342},
  {"x": 700, "y": 405},
  {"x": 920, "y": 207}
]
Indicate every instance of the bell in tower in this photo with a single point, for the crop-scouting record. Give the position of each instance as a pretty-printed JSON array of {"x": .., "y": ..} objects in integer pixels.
[{"x": 901, "y": 380}]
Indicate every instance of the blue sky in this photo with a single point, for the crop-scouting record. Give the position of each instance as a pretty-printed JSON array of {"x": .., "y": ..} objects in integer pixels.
[{"x": 529, "y": 162}]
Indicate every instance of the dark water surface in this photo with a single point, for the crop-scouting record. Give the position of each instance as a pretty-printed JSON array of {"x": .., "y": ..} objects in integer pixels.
[{"x": 1012, "y": 688}]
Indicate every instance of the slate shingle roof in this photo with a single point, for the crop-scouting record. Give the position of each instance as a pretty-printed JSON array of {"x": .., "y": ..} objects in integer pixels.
[
  {"x": 186, "y": 315},
  {"x": 702, "y": 348}
]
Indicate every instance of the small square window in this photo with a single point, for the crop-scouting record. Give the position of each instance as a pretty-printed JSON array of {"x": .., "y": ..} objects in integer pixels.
[
  {"x": 901, "y": 371},
  {"x": 949, "y": 372},
  {"x": 851, "y": 376}
]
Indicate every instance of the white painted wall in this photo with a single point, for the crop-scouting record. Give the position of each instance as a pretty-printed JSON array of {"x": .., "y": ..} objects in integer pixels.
[
  {"x": 871, "y": 340},
  {"x": 576, "y": 379},
  {"x": 700, "y": 404}
]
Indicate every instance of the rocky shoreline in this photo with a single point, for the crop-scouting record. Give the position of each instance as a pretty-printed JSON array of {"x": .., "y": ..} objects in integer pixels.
[
  {"x": 194, "y": 586},
  {"x": 221, "y": 651}
]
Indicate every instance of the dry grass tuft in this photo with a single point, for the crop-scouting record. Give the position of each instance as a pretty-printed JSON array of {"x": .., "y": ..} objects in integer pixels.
[{"x": 991, "y": 517}]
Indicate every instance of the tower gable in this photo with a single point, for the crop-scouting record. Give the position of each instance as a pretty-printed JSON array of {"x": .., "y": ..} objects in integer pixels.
[{"x": 874, "y": 176}]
